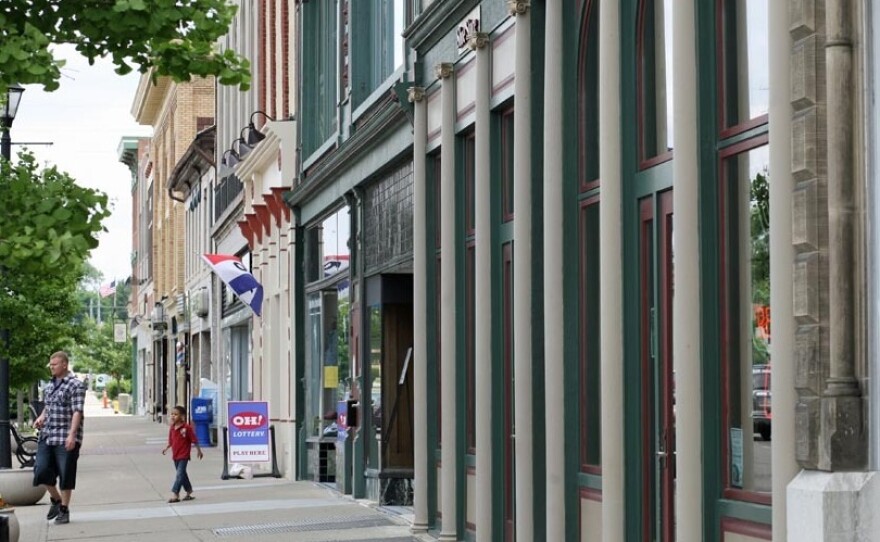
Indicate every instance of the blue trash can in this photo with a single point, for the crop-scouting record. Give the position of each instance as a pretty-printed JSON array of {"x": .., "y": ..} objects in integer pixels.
[{"x": 202, "y": 417}]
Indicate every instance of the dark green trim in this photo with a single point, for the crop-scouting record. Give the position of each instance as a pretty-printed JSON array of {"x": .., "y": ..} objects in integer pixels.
[
  {"x": 757, "y": 513},
  {"x": 501, "y": 233},
  {"x": 299, "y": 354},
  {"x": 459, "y": 409},
  {"x": 589, "y": 481},
  {"x": 570, "y": 281},
  {"x": 537, "y": 14},
  {"x": 710, "y": 317},
  {"x": 432, "y": 339},
  {"x": 651, "y": 180},
  {"x": 470, "y": 461},
  {"x": 739, "y": 138},
  {"x": 631, "y": 372}
]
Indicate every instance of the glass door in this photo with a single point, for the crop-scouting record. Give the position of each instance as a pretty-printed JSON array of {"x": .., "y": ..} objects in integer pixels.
[{"x": 657, "y": 376}]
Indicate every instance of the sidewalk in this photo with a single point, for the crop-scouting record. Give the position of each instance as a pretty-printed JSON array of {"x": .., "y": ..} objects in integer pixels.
[{"x": 124, "y": 482}]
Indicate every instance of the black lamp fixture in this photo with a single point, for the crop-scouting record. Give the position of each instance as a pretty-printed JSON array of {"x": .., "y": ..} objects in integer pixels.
[
  {"x": 230, "y": 158},
  {"x": 7, "y": 115},
  {"x": 244, "y": 146},
  {"x": 241, "y": 148},
  {"x": 254, "y": 135}
]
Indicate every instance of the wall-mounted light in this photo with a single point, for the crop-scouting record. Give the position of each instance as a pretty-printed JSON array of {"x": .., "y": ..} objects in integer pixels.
[
  {"x": 243, "y": 147},
  {"x": 230, "y": 158},
  {"x": 255, "y": 136}
]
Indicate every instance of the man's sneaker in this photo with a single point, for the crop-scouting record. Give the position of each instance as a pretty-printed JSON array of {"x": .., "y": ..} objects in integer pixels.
[
  {"x": 63, "y": 515},
  {"x": 54, "y": 508}
]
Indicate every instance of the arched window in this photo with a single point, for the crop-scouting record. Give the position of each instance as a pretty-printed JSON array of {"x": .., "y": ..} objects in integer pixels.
[{"x": 588, "y": 240}]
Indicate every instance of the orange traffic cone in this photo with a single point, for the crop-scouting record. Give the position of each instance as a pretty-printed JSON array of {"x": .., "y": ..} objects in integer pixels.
[{"x": 105, "y": 399}]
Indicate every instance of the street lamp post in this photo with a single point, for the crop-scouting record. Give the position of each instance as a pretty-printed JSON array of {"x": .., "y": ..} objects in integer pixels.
[{"x": 7, "y": 115}]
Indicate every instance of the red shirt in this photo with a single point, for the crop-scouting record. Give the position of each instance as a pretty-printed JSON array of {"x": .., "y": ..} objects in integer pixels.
[{"x": 181, "y": 437}]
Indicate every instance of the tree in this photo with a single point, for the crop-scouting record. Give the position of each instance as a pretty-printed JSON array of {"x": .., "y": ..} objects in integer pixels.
[
  {"x": 47, "y": 228},
  {"x": 99, "y": 353},
  {"x": 175, "y": 38}
]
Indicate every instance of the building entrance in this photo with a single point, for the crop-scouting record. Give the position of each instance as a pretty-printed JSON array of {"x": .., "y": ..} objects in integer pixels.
[{"x": 656, "y": 368}]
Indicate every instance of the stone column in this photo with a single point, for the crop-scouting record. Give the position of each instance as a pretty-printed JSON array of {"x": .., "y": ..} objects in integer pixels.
[
  {"x": 554, "y": 256},
  {"x": 522, "y": 273},
  {"x": 483, "y": 285},
  {"x": 783, "y": 465},
  {"x": 842, "y": 403},
  {"x": 420, "y": 313},
  {"x": 448, "y": 309},
  {"x": 610, "y": 264},
  {"x": 686, "y": 337}
]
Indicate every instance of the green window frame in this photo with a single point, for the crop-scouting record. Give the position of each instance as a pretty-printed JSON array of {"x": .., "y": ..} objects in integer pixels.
[{"x": 321, "y": 61}]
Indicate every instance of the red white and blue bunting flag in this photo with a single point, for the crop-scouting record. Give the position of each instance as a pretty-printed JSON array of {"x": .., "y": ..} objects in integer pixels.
[{"x": 238, "y": 278}]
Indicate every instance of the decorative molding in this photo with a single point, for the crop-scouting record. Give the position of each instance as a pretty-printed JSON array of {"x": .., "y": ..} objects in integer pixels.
[
  {"x": 416, "y": 94},
  {"x": 478, "y": 41},
  {"x": 443, "y": 70},
  {"x": 518, "y": 7}
]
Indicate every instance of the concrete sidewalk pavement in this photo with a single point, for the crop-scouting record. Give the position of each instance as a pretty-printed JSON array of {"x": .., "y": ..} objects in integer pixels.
[{"x": 124, "y": 481}]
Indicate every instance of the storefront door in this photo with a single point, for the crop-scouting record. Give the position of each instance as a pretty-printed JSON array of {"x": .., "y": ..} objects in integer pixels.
[{"x": 657, "y": 378}]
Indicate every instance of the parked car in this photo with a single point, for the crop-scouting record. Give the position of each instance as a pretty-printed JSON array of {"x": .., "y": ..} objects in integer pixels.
[{"x": 762, "y": 413}]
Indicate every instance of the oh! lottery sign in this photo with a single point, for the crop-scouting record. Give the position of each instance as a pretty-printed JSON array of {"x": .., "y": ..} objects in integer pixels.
[{"x": 248, "y": 431}]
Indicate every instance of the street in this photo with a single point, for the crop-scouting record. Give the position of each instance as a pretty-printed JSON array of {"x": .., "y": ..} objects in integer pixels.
[{"x": 124, "y": 482}]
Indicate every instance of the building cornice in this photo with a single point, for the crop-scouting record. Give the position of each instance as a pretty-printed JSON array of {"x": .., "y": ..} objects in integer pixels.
[{"x": 436, "y": 22}]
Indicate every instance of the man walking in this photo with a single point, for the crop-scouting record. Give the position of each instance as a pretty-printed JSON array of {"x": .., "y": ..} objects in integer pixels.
[{"x": 61, "y": 431}]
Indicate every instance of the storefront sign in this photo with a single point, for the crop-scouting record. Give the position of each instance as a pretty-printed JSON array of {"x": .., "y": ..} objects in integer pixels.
[{"x": 248, "y": 431}]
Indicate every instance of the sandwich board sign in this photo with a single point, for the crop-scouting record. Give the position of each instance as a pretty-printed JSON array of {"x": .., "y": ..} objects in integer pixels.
[{"x": 248, "y": 431}]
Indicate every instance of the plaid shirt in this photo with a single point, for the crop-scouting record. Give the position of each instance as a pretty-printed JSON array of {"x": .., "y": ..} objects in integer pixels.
[{"x": 63, "y": 397}]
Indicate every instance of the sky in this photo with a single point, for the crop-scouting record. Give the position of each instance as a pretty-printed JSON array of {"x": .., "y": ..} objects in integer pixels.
[{"x": 85, "y": 119}]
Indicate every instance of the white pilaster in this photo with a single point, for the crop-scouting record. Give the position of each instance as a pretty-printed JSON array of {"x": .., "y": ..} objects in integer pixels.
[
  {"x": 783, "y": 465},
  {"x": 686, "y": 330},
  {"x": 483, "y": 288},
  {"x": 448, "y": 309},
  {"x": 420, "y": 312},
  {"x": 522, "y": 276},
  {"x": 611, "y": 262},
  {"x": 554, "y": 256}
]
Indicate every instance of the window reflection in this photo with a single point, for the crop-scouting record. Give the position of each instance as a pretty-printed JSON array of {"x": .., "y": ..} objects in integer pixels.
[
  {"x": 746, "y": 74},
  {"x": 327, "y": 250},
  {"x": 748, "y": 358},
  {"x": 656, "y": 82}
]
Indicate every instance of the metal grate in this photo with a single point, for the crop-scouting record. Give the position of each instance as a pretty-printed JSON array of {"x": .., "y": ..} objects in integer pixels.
[{"x": 313, "y": 524}]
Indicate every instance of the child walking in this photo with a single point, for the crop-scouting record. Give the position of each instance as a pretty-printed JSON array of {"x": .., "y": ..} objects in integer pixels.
[{"x": 181, "y": 437}]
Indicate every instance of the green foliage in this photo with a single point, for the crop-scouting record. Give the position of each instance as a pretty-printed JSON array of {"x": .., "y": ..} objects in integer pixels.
[
  {"x": 115, "y": 387},
  {"x": 97, "y": 352},
  {"x": 175, "y": 38},
  {"x": 760, "y": 229},
  {"x": 47, "y": 228}
]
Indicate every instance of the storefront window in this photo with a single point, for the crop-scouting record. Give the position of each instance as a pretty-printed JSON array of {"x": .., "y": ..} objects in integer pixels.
[
  {"x": 375, "y": 380},
  {"x": 327, "y": 251},
  {"x": 747, "y": 402},
  {"x": 655, "y": 80},
  {"x": 745, "y": 76}
]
